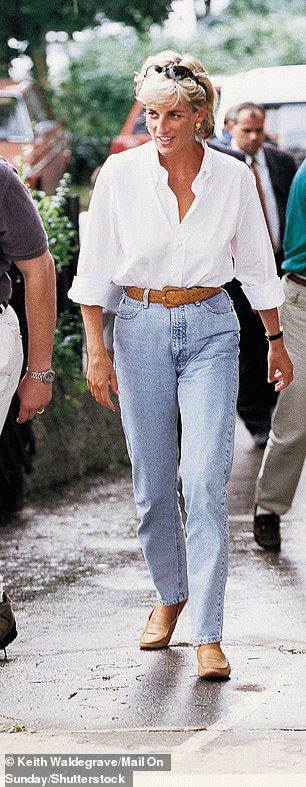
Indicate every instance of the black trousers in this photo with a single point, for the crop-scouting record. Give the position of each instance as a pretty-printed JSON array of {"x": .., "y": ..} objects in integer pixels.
[{"x": 256, "y": 397}]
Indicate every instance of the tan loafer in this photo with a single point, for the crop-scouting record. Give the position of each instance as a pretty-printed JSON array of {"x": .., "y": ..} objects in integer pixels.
[
  {"x": 212, "y": 663},
  {"x": 160, "y": 626}
]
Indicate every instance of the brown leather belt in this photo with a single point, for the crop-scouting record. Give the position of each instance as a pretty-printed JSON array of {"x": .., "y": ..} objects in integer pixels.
[
  {"x": 298, "y": 279},
  {"x": 173, "y": 296}
]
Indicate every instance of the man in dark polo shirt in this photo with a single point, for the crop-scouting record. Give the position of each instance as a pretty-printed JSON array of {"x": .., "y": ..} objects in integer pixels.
[{"x": 23, "y": 241}]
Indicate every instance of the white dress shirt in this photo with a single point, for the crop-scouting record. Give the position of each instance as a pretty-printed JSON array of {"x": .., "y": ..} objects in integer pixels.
[
  {"x": 271, "y": 204},
  {"x": 134, "y": 236},
  {"x": 266, "y": 185}
]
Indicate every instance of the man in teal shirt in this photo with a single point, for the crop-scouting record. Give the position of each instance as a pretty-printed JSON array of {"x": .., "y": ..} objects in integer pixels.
[{"x": 285, "y": 452}]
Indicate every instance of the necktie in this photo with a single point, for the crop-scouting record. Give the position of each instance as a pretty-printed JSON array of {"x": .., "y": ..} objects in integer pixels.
[{"x": 261, "y": 195}]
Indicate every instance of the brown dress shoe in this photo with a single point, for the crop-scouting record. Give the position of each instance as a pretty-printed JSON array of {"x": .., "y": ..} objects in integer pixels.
[
  {"x": 267, "y": 531},
  {"x": 212, "y": 663},
  {"x": 160, "y": 626}
]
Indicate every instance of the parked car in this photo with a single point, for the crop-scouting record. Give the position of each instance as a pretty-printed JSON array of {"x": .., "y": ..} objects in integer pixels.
[
  {"x": 30, "y": 135},
  {"x": 282, "y": 92},
  {"x": 133, "y": 131}
]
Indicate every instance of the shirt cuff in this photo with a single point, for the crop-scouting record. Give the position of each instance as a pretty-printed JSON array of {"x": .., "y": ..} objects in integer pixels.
[
  {"x": 89, "y": 292},
  {"x": 269, "y": 295}
]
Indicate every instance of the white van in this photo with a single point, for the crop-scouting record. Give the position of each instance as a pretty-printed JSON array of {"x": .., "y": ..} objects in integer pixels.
[{"x": 282, "y": 91}]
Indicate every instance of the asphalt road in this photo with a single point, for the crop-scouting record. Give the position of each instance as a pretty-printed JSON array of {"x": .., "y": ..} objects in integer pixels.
[{"x": 75, "y": 679}]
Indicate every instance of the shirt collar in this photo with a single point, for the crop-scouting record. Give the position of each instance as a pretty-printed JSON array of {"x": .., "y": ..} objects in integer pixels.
[
  {"x": 260, "y": 156},
  {"x": 161, "y": 174}
]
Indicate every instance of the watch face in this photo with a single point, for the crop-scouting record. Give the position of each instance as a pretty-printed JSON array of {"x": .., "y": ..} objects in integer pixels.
[{"x": 48, "y": 376}]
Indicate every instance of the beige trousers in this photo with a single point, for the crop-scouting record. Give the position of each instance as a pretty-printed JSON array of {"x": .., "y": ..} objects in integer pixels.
[
  {"x": 285, "y": 452},
  {"x": 11, "y": 355}
]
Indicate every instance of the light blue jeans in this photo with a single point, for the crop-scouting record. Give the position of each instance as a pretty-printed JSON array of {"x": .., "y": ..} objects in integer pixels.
[{"x": 184, "y": 357}]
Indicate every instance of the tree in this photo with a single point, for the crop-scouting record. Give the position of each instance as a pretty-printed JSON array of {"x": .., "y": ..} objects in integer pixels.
[
  {"x": 30, "y": 20},
  {"x": 95, "y": 98},
  {"x": 240, "y": 8},
  {"x": 237, "y": 41}
]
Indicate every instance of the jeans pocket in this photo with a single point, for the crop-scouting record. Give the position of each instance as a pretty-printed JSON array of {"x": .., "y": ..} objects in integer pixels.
[
  {"x": 128, "y": 308},
  {"x": 219, "y": 304}
]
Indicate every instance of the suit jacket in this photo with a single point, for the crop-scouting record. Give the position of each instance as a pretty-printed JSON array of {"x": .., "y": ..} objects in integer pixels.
[
  {"x": 215, "y": 144},
  {"x": 282, "y": 168}
]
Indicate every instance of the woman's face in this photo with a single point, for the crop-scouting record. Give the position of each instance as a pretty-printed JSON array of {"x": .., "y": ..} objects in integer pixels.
[{"x": 173, "y": 129}]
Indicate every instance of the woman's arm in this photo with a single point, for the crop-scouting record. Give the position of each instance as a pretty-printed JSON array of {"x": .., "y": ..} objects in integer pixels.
[
  {"x": 280, "y": 368},
  {"x": 100, "y": 372}
]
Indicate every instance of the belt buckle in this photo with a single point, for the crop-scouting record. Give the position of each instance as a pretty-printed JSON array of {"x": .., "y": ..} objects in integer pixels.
[{"x": 167, "y": 289}]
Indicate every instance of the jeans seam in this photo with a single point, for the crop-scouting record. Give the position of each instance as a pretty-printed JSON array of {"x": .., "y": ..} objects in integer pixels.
[{"x": 225, "y": 515}]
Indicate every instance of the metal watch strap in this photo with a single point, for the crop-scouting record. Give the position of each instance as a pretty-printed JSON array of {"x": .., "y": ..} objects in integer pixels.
[{"x": 40, "y": 376}]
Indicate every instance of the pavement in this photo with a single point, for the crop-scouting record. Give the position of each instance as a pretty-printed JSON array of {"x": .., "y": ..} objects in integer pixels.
[{"x": 76, "y": 682}]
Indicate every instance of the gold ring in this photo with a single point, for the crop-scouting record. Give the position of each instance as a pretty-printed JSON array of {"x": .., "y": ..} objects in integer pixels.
[{"x": 40, "y": 412}]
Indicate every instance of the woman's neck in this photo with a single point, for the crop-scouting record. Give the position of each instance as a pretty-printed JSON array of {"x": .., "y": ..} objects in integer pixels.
[{"x": 184, "y": 163}]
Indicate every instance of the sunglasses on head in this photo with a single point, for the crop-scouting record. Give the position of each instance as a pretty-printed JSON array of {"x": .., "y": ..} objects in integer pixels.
[{"x": 173, "y": 72}]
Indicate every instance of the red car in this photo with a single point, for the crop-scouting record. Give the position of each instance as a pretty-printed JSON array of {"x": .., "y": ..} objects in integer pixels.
[
  {"x": 133, "y": 131},
  {"x": 30, "y": 136}
]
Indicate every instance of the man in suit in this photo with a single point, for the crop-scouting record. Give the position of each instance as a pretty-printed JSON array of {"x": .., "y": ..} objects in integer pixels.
[{"x": 274, "y": 170}]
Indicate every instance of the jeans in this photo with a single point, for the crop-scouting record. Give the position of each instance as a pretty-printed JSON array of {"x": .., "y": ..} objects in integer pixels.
[
  {"x": 10, "y": 360},
  {"x": 184, "y": 357}
]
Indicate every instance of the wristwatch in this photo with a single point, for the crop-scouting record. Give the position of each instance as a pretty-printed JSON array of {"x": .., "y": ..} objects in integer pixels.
[
  {"x": 47, "y": 376},
  {"x": 278, "y": 335}
]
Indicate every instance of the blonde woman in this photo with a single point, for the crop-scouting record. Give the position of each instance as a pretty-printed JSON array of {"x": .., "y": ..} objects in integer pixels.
[{"x": 165, "y": 221}]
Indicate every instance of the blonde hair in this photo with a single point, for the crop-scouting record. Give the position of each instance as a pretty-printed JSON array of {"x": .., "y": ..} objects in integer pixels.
[{"x": 157, "y": 89}]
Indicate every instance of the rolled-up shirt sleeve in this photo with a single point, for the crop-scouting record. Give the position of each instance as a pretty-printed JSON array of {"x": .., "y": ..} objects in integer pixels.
[
  {"x": 253, "y": 253},
  {"x": 100, "y": 249}
]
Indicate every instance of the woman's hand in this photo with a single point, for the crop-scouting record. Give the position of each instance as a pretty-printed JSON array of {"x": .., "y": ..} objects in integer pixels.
[
  {"x": 280, "y": 367},
  {"x": 100, "y": 377}
]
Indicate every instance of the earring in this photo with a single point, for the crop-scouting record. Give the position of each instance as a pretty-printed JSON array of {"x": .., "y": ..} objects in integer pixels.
[{"x": 198, "y": 125}]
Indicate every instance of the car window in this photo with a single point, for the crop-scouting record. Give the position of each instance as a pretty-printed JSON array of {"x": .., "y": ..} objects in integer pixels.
[
  {"x": 140, "y": 125},
  {"x": 11, "y": 122},
  {"x": 287, "y": 124},
  {"x": 37, "y": 107}
]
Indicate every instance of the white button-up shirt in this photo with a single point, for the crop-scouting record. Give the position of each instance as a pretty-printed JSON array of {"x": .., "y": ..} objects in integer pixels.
[
  {"x": 134, "y": 236},
  {"x": 266, "y": 185}
]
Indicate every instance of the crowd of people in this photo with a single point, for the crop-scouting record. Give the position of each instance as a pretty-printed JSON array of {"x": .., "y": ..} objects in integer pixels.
[{"x": 185, "y": 242}]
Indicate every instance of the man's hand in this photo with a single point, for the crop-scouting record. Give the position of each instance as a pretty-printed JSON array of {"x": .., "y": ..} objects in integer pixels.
[
  {"x": 34, "y": 396},
  {"x": 40, "y": 301},
  {"x": 100, "y": 377},
  {"x": 280, "y": 367}
]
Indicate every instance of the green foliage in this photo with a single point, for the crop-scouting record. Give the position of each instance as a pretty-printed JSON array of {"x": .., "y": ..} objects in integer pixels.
[
  {"x": 60, "y": 230},
  {"x": 67, "y": 352},
  {"x": 96, "y": 97},
  {"x": 140, "y": 14},
  {"x": 30, "y": 20},
  {"x": 98, "y": 93},
  {"x": 265, "y": 7},
  {"x": 253, "y": 41},
  {"x": 62, "y": 237}
]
